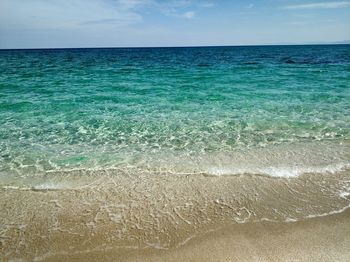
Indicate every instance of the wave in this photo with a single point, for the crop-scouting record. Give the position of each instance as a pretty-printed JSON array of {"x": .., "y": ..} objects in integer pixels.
[{"x": 280, "y": 171}]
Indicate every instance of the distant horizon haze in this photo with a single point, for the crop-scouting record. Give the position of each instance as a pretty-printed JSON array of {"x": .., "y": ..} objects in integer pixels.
[{"x": 346, "y": 42}]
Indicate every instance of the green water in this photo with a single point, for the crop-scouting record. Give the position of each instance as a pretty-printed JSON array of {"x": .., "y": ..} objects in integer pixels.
[{"x": 279, "y": 110}]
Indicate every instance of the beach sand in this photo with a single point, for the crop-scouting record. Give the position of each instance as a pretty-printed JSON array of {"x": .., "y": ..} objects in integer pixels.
[
  {"x": 317, "y": 239},
  {"x": 177, "y": 218}
]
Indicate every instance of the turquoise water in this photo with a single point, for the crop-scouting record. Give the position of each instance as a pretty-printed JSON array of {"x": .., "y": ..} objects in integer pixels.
[
  {"x": 104, "y": 149},
  {"x": 278, "y": 110}
]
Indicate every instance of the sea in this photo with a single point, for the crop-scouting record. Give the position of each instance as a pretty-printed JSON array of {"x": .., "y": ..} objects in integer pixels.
[{"x": 261, "y": 132}]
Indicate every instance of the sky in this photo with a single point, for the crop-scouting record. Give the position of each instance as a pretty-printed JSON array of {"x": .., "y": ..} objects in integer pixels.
[{"x": 144, "y": 23}]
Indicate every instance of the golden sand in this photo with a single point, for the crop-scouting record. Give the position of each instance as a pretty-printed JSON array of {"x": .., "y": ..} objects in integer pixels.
[
  {"x": 116, "y": 217},
  {"x": 318, "y": 239}
]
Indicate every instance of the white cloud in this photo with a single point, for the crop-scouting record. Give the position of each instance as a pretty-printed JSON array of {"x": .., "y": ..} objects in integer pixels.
[
  {"x": 320, "y": 5},
  {"x": 179, "y": 8},
  {"x": 40, "y": 14},
  {"x": 189, "y": 14},
  {"x": 73, "y": 14},
  {"x": 206, "y": 5}
]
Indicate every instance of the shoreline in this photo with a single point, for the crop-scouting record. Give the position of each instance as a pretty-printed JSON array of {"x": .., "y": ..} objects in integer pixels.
[{"x": 126, "y": 216}]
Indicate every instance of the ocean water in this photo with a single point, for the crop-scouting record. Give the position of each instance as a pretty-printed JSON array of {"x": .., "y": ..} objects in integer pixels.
[
  {"x": 277, "y": 110},
  {"x": 150, "y": 147}
]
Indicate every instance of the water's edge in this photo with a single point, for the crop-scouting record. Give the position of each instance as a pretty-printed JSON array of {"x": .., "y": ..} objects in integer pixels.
[{"x": 160, "y": 211}]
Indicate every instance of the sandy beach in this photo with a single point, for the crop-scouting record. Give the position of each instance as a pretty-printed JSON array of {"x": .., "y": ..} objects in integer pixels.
[
  {"x": 318, "y": 239},
  {"x": 109, "y": 217}
]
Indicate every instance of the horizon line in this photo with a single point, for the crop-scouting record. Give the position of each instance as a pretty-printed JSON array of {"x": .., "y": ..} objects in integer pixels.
[{"x": 344, "y": 42}]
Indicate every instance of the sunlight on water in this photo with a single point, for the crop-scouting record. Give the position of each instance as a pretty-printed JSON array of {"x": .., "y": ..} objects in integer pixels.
[
  {"x": 101, "y": 108},
  {"x": 148, "y": 148}
]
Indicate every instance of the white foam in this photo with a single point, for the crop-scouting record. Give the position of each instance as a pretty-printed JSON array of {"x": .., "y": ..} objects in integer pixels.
[
  {"x": 278, "y": 171},
  {"x": 41, "y": 186},
  {"x": 290, "y": 220},
  {"x": 344, "y": 194},
  {"x": 50, "y": 186},
  {"x": 12, "y": 187},
  {"x": 329, "y": 213}
]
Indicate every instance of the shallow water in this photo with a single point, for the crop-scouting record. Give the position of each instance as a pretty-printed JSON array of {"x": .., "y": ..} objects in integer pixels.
[
  {"x": 139, "y": 148},
  {"x": 102, "y": 108}
]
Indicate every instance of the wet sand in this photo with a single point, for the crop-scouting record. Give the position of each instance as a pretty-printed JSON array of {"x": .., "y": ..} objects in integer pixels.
[
  {"x": 317, "y": 239},
  {"x": 107, "y": 216}
]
